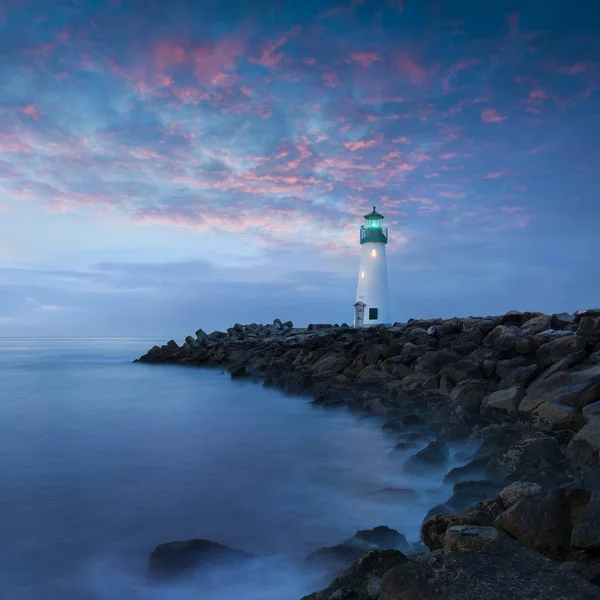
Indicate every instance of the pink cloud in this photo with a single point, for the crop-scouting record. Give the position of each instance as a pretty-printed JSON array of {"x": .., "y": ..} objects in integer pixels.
[
  {"x": 167, "y": 54},
  {"x": 366, "y": 59},
  {"x": 512, "y": 209},
  {"x": 269, "y": 57},
  {"x": 330, "y": 79},
  {"x": 412, "y": 69},
  {"x": 574, "y": 69},
  {"x": 401, "y": 140},
  {"x": 494, "y": 175},
  {"x": 31, "y": 111},
  {"x": 538, "y": 94},
  {"x": 448, "y": 155},
  {"x": 353, "y": 146},
  {"x": 490, "y": 115}
]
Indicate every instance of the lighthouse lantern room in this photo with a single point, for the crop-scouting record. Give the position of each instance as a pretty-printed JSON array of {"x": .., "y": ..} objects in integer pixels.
[{"x": 372, "y": 301}]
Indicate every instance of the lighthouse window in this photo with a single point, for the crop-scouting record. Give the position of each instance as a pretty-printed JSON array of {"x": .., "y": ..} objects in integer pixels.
[
  {"x": 362, "y": 274},
  {"x": 373, "y": 314},
  {"x": 373, "y": 253}
]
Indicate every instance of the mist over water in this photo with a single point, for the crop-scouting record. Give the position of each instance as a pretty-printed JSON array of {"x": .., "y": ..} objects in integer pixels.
[{"x": 101, "y": 460}]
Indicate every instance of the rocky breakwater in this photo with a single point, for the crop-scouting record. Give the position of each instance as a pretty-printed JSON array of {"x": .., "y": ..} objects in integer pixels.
[{"x": 523, "y": 519}]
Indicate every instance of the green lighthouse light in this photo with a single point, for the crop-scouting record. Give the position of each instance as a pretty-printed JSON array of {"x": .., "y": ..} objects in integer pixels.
[{"x": 373, "y": 229}]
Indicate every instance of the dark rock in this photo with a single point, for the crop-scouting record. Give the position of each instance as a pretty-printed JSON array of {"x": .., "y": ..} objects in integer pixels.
[
  {"x": 503, "y": 338},
  {"x": 502, "y": 570},
  {"x": 382, "y": 537},
  {"x": 433, "y": 530},
  {"x": 239, "y": 372},
  {"x": 504, "y": 367},
  {"x": 535, "y": 325},
  {"x": 433, "y": 456},
  {"x": 519, "y": 377},
  {"x": 535, "y": 459},
  {"x": 577, "y": 387},
  {"x": 463, "y": 369},
  {"x": 590, "y": 411},
  {"x": 506, "y": 400},
  {"x": 578, "y": 315},
  {"x": 541, "y": 521},
  {"x": 469, "y": 493},
  {"x": 177, "y": 558},
  {"x": 587, "y": 566},
  {"x": 583, "y": 450},
  {"x": 461, "y": 538},
  {"x": 361, "y": 581},
  {"x": 589, "y": 328},
  {"x": 558, "y": 416},
  {"x": 551, "y": 352},
  {"x": 434, "y": 360},
  {"x": 512, "y": 493},
  {"x": 473, "y": 470},
  {"x": 468, "y": 393},
  {"x": 586, "y": 530}
]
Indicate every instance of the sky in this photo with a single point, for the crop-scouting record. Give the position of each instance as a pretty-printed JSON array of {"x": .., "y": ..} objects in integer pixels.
[{"x": 166, "y": 166}]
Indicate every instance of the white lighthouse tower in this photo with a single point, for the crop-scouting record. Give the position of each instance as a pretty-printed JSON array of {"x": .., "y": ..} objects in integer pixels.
[{"x": 372, "y": 305}]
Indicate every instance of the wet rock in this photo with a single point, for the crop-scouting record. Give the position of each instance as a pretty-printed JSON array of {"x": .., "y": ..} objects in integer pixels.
[
  {"x": 541, "y": 521},
  {"x": 577, "y": 387},
  {"x": 433, "y": 457},
  {"x": 361, "y": 581},
  {"x": 512, "y": 493},
  {"x": 583, "y": 450},
  {"x": 536, "y": 459},
  {"x": 506, "y": 400},
  {"x": 586, "y": 530},
  {"x": 469, "y": 537},
  {"x": 475, "y": 469},
  {"x": 502, "y": 570},
  {"x": 590, "y": 411},
  {"x": 177, "y": 558},
  {"x": 551, "y": 352},
  {"x": 382, "y": 537},
  {"x": 469, "y": 493}
]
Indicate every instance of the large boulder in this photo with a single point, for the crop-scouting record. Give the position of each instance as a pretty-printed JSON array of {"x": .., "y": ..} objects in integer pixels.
[
  {"x": 433, "y": 457},
  {"x": 503, "y": 569},
  {"x": 541, "y": 521},
  {"x": 506, "y": 400},
  {"x": 433, "y": 529},
  {"x": 361, "y": 581},
  {"x": 468, "y": 393},
  {"x": 333, "y": 559},
  {"x": 178, "y": 558},
  {"x": 469, "y": 537},
  {"x": 576, "y": 388},
  {"x": 519, "y": 377},
  {"x": 583, "y": 450},
  {"x": 512, "y": 493},
  {"x": 586, "y": 530},
  {"x": 463, "y": 369},
  {"x": 551, "y": 352},
  {"x": 590, "y": 411},
  {"x": 558, "y": 416},
  {"x": 589, "y": 328},
  {"x": 503, "y": 338},
  {"x": 535, "y": 459}
]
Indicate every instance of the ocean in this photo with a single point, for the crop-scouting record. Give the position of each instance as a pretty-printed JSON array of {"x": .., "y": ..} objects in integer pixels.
[{"x": 102, "y": 459}]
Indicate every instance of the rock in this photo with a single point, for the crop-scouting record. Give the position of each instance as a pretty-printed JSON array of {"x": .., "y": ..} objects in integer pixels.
[
  {"x": 519, "y": 377},
  {"x": 463, "y": 369},
  {"x": 469, "y": 493},
  {"x": 434, "y": 361},
  {"x": 541, "y": 521},
  {"x": 335, "y": 558},
  {"x": 551, "y": 352},
  {"x": 201, "y": 335},
  {"x": 177, "y": 558},
  {"x": 504, "y": 367},
  {"x": 583, "y": 450},
  {"x": 589, "y": 328},
  {"x": 502, "y": 570},
  {"x": 503, "y": 338},
  {"x": 361, "y": 581},
  {"x": 588, "y": 566},
  {"x": 507, "y": 400},
  {"x": 433, "y": 529},
  {"x": 585, "y": 312},
  {"x": 590, "y": 411},
  {"x": 576, "y": 388},
  {"x": 473, "y": 470},
  {"x": 469, "y": 537},
  {"x": 586, "y": 530},
  {"x": 468, "y": 393},
  {"x": 534, "y": 459},
  {"x": 433, "y": 456},
  {"x": 559, "y": 416},
  {"x": 512, "y": 493},
  {"x": 525, "y": 345},
  {"x": 535, "y": 325}
]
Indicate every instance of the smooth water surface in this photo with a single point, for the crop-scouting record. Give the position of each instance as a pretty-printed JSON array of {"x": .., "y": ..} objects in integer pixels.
[{"x": 101, "y": 460}]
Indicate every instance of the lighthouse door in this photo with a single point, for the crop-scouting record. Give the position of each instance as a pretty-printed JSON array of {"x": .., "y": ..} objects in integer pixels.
[{"x": 359, "y": 310}]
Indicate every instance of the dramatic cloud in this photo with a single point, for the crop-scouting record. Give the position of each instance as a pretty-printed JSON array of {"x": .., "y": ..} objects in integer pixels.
[{"x": 149, "y": 132}]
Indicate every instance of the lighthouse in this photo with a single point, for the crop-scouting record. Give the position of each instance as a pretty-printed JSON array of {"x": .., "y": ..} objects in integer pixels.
[{"x": 372, "y": 305}]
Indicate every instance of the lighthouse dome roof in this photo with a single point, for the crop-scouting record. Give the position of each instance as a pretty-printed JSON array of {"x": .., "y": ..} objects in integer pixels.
[{"x": 374, "y": 215}]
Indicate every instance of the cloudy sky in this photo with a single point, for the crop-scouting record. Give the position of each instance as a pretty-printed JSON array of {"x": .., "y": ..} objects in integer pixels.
[{"x": 172, "y": 165}]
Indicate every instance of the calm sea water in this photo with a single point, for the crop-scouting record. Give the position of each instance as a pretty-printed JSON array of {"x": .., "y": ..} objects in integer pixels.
[{"x": 101, "y": 460}]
